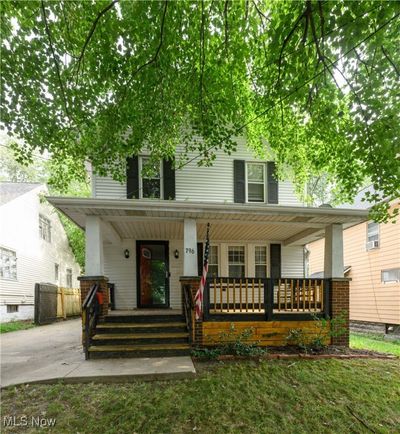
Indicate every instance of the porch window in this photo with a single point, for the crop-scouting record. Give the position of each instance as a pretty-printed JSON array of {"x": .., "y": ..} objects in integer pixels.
[
  {"x": 69, "y": 277},
  {"x": 236, "y": 261},
  {"x": 213, "y": 261},
  {"x": 261, "y": 261},
  {"x": 150, "y": 179},
  {"x": 372, "y": 235},
  {"x": 255, "y": 182},
  {"x": 44, "y": 228},
  {"x": 8, "y": 264}
]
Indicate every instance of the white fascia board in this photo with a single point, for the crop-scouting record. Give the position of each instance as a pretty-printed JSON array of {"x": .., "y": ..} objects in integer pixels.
[{"x": 201, "y": 207}]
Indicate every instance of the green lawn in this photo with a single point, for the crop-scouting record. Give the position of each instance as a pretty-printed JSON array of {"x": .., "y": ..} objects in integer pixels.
[
  {"x": 13, "y": 326},
  {"x": 374, "y": 343},
  {"x": 272, "y": 396}
]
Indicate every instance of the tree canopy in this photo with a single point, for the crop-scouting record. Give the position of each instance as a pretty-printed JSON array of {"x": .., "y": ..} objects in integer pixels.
[{"x": 316, "y": 82}]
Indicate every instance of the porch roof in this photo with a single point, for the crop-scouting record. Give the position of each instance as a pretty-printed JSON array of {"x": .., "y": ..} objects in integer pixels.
[{"x": 231, "y": 221}]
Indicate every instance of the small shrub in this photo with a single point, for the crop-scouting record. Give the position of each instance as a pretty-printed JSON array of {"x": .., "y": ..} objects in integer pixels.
[
  {"x": 206, "y": 353},
  {"x": 231, "y": 343},
  {"x": 238, "y": 344},
  {"x": 326, "y": 328}
]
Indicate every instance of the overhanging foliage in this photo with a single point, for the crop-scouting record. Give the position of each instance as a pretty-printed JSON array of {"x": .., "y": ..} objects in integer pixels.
[{"x": 316, "y": 80}]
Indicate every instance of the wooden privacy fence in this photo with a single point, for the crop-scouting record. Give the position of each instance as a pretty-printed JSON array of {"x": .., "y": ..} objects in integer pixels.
[
  {"x": 265, "y": 296},
  {"x": 68, "y": 302}
]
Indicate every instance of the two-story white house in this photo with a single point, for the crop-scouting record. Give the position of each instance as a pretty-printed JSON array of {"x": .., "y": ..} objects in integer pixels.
[
  {"x": 146, "y": 235},
  {"x": 33, "y": 248}
]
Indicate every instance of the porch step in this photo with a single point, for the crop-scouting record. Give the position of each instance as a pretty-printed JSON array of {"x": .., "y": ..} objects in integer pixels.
[
  {"x": 127, "y": 327},
  {"x": 140, "y": 336},
  {"x": 140, "y": 319},
  {"x": 148, "y": 350}
]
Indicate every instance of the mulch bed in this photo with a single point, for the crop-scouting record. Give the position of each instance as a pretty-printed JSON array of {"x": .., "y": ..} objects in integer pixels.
[{"x": 288, "y": 353}]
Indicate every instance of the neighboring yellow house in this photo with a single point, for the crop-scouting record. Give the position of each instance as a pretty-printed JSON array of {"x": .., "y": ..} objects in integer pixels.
[{"x": 372, "y": 261}]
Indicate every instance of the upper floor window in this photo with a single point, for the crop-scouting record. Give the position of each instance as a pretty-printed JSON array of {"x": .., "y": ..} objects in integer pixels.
[
  {"x": 150, "y": 179},
  {"x": 372, "y": 235},
  {"x": 255, "y": 182},
  {"x": 390, "y": 276},
  {"x": 44, "y": 228},
  {"x": 69, "y": 277},
  {"x": 261, "y": 261},
  {"x": 236, "y": 261},
  {"x": 8, "y": 264}
]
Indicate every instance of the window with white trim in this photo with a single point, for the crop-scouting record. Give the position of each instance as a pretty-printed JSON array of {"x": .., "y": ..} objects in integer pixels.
[
  {"x": 8, "y": 264},
  {"x": 255, "y": 182},
  {"x": 213, "y": 261},
  {"x": 390, "y": 276},
  {"x": 56, "y": 272},
  {"x": 236, "y": 261},
  {"x": 260, "y": 261},
  {"x": 44, "y": 228},
  {"x": 69, "y": 277},
  {"x": 372, "y": 235},
  {"x": 150, "y": 179}
]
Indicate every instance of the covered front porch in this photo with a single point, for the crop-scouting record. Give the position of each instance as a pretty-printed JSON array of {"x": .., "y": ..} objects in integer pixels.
[{"x": 147, "y": 255}]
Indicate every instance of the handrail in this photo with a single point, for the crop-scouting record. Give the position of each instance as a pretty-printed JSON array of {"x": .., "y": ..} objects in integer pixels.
[
  {"x": 188, "y": 308},
  {"x": 90, "y": 295},
  {"x": 90, "y": 314}
]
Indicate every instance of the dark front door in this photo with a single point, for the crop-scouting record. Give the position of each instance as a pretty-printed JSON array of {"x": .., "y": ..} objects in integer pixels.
[{"x": 153, "y": 274}]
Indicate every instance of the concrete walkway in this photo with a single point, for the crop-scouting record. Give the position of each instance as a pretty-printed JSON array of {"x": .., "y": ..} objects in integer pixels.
[{"x": 50, "y": 353}]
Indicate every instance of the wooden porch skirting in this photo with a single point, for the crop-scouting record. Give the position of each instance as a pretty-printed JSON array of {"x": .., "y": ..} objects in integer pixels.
[{"x": 265, "y": 333}]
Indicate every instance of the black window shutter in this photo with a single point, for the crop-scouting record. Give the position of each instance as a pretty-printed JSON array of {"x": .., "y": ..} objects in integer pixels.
[
  {"x": 132, "y": 178},
  {"x": 272, "y": 185},
  {"x": 239, "y": 187},
  {"x": 275, "y": 260},
  {"x": 169, "y": 179}
]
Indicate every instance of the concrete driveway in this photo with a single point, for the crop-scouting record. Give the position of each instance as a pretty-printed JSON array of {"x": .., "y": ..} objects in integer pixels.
[
  {"x": 42, "y": 352},
  {"x": 47, "y": 354}
]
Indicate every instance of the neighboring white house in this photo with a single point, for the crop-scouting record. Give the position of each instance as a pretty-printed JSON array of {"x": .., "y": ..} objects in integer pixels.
[
  {"x": 33, "y": 248},
  {"x": 144, "y": 234}
]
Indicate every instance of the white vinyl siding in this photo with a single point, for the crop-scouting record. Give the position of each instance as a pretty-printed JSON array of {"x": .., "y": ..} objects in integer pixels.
[
  {"x": 292, "y": 261},
  {"x": 122, "y": 271},
  {"x": 104, "y": 187},
  {"x": 19, "y": 221},
  {"x": 200, "y": 183}
]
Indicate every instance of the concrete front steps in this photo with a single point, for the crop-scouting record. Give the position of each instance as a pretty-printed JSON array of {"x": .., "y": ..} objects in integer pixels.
[{"x": 140, "y": 336}]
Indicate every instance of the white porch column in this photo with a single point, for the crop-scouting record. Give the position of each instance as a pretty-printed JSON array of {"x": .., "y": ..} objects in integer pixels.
[
  {"x": 94, "y": 265},
  {"x": 189, "y": 248},
  {"x": 333, "y": 261}
]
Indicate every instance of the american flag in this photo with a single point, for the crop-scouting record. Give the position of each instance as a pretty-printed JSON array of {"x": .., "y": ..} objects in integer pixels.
[{"x": 199, "y": 294}]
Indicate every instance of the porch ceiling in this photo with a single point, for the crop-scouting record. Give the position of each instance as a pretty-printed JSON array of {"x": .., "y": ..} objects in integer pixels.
[{"x": 164, "y": 219}]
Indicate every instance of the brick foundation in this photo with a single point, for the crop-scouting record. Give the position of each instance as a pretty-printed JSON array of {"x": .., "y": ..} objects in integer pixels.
[
  {"x": 87, "y": 282},
  {"x": 339, "y": 300},
  {"x": 194, "y": 282}
]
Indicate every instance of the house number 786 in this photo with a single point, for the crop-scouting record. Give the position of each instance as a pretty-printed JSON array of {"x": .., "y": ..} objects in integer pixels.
[{"x": 190, "y": 250}]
